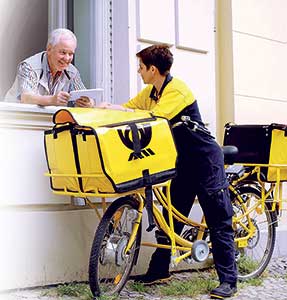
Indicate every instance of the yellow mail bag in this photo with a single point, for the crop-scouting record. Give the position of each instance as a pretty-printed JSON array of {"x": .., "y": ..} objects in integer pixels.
[{"x": 100, "y": 150}]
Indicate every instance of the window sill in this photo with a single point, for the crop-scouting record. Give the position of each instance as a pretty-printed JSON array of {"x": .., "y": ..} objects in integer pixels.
[
  {"x": 32, "y": 108},
  {"x": 26, "y": 116}
]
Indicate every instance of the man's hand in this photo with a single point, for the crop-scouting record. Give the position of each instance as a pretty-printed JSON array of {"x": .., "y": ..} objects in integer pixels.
[
  {"x": 61, "y": 99},
  {"x": 85, "y": 102}
]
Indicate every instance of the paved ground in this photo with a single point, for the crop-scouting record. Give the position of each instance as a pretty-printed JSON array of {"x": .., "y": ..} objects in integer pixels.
[{"x": 274, "y": 287}]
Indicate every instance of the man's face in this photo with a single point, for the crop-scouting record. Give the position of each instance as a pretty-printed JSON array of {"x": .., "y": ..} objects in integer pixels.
[
  {"x": 61, "y": 55},
  {"x": 146, "y": 74}
]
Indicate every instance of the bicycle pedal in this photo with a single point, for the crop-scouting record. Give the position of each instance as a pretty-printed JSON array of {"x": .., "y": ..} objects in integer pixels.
[{"x": 162, "y": 238}]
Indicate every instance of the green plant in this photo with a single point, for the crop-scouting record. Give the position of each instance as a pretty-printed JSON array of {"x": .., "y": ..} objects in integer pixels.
[
  {"x": 138, "y": 287},
  {"x": 79, "y": 290},
  {"x": 194, "y": 286},
  {"x": 246, "y": 265},
  {"x": 197, "y": 282}
]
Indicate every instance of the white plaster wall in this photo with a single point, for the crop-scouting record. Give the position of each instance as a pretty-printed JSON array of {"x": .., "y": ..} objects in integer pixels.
[
  {"x": 260, "y": 71},
  {"x": 41, "y": 246},
  {"x": 44, "y": 240},
  {"x": 188, "y": 26},
  {"x": 260, "y": 61}
]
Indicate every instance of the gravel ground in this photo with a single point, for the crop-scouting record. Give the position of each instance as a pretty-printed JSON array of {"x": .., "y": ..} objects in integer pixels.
[{"x": 274, "y": 286}]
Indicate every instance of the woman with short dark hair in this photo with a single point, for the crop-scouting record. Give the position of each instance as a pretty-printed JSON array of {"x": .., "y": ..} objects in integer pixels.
[{"x": 200, "y": 167}]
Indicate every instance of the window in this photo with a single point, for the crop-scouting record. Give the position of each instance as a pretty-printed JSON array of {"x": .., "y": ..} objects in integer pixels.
[{"x": 91, "y": 21}]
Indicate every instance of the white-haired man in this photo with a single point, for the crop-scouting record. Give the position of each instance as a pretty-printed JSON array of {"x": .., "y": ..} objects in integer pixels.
[{"x": 48, "y": 77}]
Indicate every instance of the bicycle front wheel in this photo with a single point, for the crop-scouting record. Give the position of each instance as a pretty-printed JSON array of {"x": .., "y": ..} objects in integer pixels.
[
  {"x": 253, "y": 257},
  {"x": 110, "y": 265}
]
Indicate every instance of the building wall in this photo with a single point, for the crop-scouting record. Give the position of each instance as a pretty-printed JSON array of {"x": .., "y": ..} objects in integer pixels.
[
  {"x": 44, "y": 239},
  {"x": 23, "y": 32},
  {"x": 188, "y": 27},
  {"x": 260, "y": 61},
  {"x": 259, "y": 32}
]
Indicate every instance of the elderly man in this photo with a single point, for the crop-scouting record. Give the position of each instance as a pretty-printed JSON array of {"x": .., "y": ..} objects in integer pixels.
[{"x": 48, "y": 77}]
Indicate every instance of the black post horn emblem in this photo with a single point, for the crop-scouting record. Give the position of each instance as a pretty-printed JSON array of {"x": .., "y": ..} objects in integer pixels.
[{"x": 137, "y": 139}]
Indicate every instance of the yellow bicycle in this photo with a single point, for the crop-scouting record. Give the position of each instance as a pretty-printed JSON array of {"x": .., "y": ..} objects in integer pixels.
[
  {"x": 118, "y": 237},
  {"x": 76, "y": 148}
]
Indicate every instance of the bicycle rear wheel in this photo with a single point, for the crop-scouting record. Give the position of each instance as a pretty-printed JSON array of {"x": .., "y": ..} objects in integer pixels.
[
  {"x": 253, "y": 258},
  {"x": 110, "y": 266}
]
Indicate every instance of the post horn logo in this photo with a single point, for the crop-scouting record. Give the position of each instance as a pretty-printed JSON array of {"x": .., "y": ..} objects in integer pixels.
[{"x": 143, "y": 136}]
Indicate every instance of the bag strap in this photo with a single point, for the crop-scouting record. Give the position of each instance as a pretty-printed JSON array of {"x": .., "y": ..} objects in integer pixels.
[
  {"x": 136, "y": 139},
  {"x": 148, "y": 200}
]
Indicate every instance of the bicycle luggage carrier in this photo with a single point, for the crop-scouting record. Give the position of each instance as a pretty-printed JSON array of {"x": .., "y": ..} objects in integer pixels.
[{"x": 261, "y": 145}]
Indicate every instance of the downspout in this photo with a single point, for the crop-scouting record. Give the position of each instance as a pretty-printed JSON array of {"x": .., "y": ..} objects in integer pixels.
[{"x": 224, "y": 66}]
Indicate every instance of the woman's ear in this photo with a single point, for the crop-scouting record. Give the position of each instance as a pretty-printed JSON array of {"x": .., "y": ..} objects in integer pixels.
[{"x": 153, "y": 68}]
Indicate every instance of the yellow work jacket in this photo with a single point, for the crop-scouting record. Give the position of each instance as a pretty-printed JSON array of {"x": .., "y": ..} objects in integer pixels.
[{"x": 175, "y": 96}]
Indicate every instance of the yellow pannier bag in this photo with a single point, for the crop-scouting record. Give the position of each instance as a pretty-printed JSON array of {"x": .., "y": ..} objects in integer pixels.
[
  {"x": 101, "y": 150},
  {"x": 260, "y": 144}
]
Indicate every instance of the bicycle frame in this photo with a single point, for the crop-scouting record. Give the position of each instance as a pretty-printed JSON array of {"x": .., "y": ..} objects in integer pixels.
[
  {"x": 250, "y": 217},
  {"x": 274, "y": 192},
  {"x": 177, "y": 242}
]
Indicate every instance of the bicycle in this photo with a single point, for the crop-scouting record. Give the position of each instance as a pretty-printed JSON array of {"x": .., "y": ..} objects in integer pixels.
[{"x": 117, "y": 239}]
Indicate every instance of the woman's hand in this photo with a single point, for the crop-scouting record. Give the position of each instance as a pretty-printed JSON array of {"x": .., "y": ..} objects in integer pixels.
[
  {"x": 113, "y": 106},
  {"x": 104, "y": 105}
]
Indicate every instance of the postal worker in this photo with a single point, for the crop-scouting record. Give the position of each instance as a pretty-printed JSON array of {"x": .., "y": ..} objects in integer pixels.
[{"x": 200, "y": 167}]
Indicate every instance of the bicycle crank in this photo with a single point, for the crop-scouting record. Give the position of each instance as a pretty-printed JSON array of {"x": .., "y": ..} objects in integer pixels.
[{"x": 200, "y": 251}]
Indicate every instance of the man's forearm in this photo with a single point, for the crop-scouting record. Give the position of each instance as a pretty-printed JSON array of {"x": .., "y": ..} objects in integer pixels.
[{"x": 37, "y": 99}]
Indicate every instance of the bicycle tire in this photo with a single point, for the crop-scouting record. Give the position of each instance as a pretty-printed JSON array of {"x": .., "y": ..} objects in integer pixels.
[
  {"x": 109, "y": 266},
  {"x": 253, "y": 259}
]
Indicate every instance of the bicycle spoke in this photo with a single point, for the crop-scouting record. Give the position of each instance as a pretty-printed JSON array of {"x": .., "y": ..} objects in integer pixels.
[
  {"x": 110, "y": 264},
  {"x": 258, "y": 229}
]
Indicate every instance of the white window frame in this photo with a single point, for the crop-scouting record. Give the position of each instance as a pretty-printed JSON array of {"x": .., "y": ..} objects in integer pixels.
[{"x": 101, "y": 40}]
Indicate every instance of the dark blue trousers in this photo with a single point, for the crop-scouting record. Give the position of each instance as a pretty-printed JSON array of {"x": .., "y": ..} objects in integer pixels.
[{"x": 200, "y": 172}]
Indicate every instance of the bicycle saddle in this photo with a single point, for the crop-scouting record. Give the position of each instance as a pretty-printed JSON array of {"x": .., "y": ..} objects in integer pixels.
[{"x": 229, "y": 153}]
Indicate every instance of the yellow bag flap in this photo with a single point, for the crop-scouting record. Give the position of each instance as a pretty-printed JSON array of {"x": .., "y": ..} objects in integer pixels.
[
  {"x": 278, "y": 154},
  {"x": 115, "y": 151},
  {"x": 96, "y": 117}
]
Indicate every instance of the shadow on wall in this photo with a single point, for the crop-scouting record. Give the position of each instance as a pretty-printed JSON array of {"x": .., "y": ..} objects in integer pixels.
[{"x": 23, "y": 32}]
